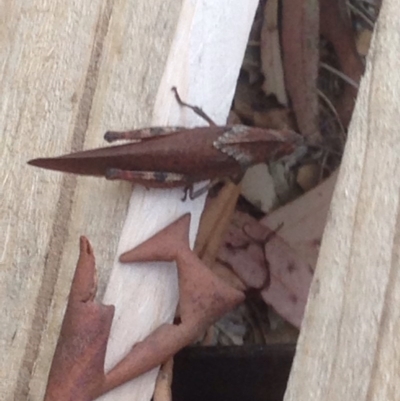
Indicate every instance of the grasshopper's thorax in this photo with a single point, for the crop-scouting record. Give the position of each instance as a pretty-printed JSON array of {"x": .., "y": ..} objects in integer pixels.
[
  {"x": 248, "y": 146},
  {"x": 228, "y": 143}
]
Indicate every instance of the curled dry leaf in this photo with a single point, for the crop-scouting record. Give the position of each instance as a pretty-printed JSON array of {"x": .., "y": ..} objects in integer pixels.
[
  {"x": 335, "y": 26},
  {"x": 300, "y": 38}
]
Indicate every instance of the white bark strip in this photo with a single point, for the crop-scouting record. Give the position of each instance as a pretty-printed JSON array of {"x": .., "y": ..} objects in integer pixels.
[{"x": 204, "y": 62}]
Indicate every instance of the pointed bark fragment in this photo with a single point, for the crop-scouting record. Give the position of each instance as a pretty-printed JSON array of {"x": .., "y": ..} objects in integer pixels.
[
  {"x": 77, "y": 371},
  {"x": 204, "y": 298}
]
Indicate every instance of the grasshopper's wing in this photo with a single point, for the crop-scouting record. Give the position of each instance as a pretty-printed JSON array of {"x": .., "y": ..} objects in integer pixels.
[
  {"x": 238, "y": 134},
  {"x": 93, "y": 162}
]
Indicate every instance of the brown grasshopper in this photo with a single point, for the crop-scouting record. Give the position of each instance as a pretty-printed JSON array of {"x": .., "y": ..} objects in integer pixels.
[{"x": 167, "y": 157}]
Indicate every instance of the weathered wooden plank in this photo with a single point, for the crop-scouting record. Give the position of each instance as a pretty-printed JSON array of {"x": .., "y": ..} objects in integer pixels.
[
  {"x": 350, "y": 339},
  {"x": 40, "y": 78},
  {"x": 69, "y": 71}
]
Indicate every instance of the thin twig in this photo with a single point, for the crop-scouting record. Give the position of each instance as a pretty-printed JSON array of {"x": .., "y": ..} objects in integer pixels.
[
  {"x": 340, "y": 74},
  {"x": 361, "y": 14},
  {"x": 334, "y": 111}
]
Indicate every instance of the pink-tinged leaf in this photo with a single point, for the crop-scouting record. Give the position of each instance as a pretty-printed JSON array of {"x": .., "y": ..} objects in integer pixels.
[
  {"x": 244, "y": 255},
  {"x": 301, "y": 223},
  {"x": 290, "y": 281},
  {"x": 282, "y": 276},
  {"x": 289, "y": 275},
  {"x": 281, "y": 262}
]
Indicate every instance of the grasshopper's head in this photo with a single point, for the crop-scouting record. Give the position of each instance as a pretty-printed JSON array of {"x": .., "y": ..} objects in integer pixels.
[{"x": 287, "y": 142}]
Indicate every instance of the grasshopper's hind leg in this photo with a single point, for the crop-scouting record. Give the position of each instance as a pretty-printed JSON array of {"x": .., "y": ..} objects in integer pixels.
[
  {"x": 140, "y": 134},
  {"x": 196, "y": 109},
  {"x": 157, "y": 179},
  {"x": 161, "y": 179}
]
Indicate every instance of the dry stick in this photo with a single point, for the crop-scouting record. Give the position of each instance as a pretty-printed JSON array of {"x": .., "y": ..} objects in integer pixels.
[
  {"x": 145, "y": 295},
  {"x": 162, "y": 391}
]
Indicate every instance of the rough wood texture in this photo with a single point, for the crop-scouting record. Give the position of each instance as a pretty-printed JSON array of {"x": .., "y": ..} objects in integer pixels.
[
  {"x": 350, "y": 340},
  {"x": 70, "y": 72}
]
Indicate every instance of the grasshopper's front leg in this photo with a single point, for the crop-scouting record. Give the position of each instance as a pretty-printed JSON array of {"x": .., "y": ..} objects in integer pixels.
[
  {"x": 200, "y": 112},
  {"x": 152, "y": 132}
]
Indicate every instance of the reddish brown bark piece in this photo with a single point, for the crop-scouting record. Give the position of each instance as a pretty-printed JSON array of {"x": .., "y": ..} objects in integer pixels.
[
  {"x": 77, "y": 371},
  {"x": 300, "y": 36},
  {"x": 203, "y": 299}
]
